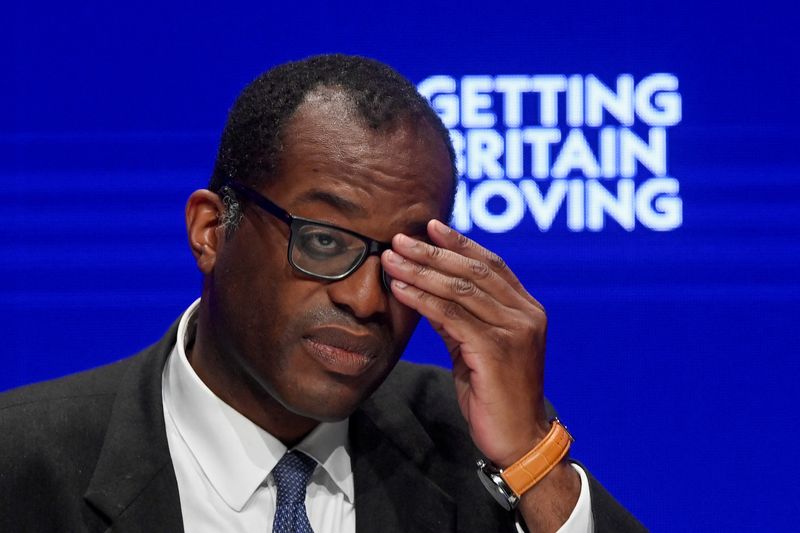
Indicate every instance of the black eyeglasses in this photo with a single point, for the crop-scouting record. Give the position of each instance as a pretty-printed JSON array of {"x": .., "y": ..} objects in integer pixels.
[{"x": 319, "y": 249}]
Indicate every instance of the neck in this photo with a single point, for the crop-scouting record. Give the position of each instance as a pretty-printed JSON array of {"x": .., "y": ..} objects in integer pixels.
[{"x": 226, "y": 376}]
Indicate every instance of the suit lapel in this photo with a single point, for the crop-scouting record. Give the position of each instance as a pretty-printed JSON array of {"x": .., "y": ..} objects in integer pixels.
[
  {"x": 390, "y": 450},
  {"x": 134, "y": 485}
]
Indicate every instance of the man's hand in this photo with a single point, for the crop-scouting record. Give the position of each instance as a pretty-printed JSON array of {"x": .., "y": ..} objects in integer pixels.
[
  {"x": 495, "y": 332},
  {"x": 493, "y": 329}
]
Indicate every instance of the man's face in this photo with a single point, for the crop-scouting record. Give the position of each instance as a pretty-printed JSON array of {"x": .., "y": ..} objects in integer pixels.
[{"x": 319, "y": 347}]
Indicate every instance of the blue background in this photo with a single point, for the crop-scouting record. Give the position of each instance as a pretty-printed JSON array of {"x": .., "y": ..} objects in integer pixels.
[{"x": 672, "y": 356}]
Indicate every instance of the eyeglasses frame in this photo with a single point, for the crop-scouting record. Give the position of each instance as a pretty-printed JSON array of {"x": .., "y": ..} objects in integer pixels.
[{"x": 373, "y": 246}]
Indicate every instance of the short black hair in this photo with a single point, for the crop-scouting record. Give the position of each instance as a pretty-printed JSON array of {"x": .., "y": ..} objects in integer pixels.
[{"x": 251, "y": 144}]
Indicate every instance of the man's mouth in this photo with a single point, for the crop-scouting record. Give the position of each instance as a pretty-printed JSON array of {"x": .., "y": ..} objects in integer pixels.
[{"x": 342, "y": 351}]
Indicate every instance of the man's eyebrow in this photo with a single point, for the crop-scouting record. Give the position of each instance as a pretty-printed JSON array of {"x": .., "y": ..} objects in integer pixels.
[{"x": 342, "y": 204}]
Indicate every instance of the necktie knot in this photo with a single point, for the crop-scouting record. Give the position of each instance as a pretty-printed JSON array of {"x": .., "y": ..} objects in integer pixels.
[{"x": 291, "y": 476}]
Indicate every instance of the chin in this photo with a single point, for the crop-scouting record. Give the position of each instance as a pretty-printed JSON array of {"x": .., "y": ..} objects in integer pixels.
[
  {"x": 333, "y": 399},
  {"x": 325, "y": 410}
]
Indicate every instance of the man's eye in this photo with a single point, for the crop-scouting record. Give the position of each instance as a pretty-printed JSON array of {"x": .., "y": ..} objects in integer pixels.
[{"x": 322, "y": 243}]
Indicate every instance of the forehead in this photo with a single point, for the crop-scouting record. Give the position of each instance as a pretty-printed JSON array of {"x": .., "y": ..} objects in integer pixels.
[{"x": 379, "y": 182}]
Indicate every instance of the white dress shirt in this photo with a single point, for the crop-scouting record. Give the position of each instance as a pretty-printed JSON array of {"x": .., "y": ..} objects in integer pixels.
[{"x": 223, "y": 461}]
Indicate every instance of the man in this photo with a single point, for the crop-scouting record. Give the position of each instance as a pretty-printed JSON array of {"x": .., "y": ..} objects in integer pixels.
[{"x": 321, "y": 244}]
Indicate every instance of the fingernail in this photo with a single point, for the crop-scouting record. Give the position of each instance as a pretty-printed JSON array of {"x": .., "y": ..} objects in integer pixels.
[
  {"x": 441, "y": 227},
  {"x": 408, "y": 242},
  {"x": 399, "y": 284},
  {"x": 394, "y": 257}
]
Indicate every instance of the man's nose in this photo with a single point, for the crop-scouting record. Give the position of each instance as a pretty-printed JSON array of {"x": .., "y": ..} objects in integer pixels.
[{"x": 363, "y": 291}]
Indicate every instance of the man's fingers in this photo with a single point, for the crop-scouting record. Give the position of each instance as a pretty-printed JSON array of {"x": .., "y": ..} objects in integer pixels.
[
  {"x": 452, "y": 264},
  {"x": 446, "y": 237},
  {"x": 456, "y": 254},
  {"x": 462, "y": 290},
  {"x": 457, "y": 322}
]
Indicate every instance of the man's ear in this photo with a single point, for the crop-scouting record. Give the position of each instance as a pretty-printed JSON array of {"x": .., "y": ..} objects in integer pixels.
[{"x": 204, "y": 210}]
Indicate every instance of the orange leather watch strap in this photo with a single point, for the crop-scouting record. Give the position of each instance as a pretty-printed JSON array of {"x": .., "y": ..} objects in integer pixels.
[{"x": 538, "y": 462}]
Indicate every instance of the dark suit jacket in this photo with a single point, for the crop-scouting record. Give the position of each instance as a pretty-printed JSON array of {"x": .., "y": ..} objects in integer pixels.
[{"x": 89, "y": 452}]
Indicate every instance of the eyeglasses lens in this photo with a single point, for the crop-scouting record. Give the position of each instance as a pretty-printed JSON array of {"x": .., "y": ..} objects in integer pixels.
[{"x": 324, "y": 251}]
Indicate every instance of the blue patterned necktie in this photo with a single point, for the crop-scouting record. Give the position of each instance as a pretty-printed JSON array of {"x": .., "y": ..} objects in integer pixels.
[{"x": 291, "y": 476}]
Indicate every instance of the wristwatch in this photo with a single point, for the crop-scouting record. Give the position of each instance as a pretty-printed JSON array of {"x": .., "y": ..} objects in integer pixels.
[{"x": 508, "y": 485}]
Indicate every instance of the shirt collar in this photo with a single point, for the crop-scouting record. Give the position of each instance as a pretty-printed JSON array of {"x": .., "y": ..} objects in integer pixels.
[{"x": 235, "y": 454}]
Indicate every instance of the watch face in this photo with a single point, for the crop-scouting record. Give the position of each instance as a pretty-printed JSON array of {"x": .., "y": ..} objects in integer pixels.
[{"x": 494, "y": 484}]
